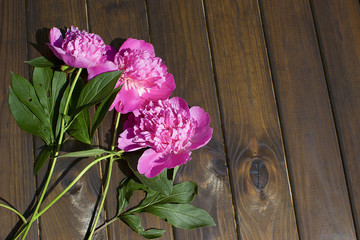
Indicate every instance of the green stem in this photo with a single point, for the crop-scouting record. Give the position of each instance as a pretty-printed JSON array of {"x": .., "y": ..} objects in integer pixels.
[
  {"x": 103, "y": 197},
  {"x": 66, "y": 108},
  {"x": 132, "y": 211},
  {"x": 115, "y": 131},
  {"x": 20, "y": 232},
  {"x": 53, "y": 162},
  {"x": 107, "y": 178},
  {"x": 15, "y": 211},
  {"x": 106, "y": 224},
  {"x": 72, "y": 184}
]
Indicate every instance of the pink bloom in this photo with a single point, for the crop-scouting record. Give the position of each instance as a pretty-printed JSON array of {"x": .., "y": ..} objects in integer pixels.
[
  {"x": 170, "y": 129},
  {"x": 79, "y": 49},
  {"x": 144, "y": 78}
]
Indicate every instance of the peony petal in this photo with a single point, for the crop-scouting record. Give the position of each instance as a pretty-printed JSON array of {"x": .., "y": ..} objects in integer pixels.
[
  {"x": 55, "y": 37},
  {"x": 101, "y": 68},
  {"x": 77, "y": 62},
  {"x": 126, "y": 101},
  {"x": 125, "y": 141},
  {"x": 57, "y": 51},
  {"x": 163, "y": 92},
  {"x": 203, "y": 132},
  {"x": 151, "y": 163},
  {"x": 201, "y": 117},
  {"x": 180, "y": 104},
  {"x": 200, "y": 138},
  {"x": 138, "y": 44},
  {"x": 177, "y": 159},
  {"x": 79, "y": 49}
]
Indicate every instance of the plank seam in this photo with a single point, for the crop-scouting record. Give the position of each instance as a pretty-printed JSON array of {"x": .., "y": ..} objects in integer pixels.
[
  {"x": 148, "y": 20},
  {"x": 87, "y": 16},
  {"x": 233, "y": 200},
  {"x": 35, "y": 177},
  {"x": 335, "y": 119},
  {"x": 275, "y": 94},
  {"x": 147, "y": 17}
]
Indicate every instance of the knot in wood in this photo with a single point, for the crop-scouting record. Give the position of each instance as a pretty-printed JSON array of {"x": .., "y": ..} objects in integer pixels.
[
  {"x": 258, "y": 173},
  {"x": 66, "y": 181}
]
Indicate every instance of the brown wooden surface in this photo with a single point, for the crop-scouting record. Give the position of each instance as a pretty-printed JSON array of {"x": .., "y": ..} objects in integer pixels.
[
  {"x": 17, "y": 182},
  {"x": 337, "y": 24},
  {"x": 185, "y": 49},
  {"x": 74, "y": 211},
  {"x": 250, "y": 119},
  {"x": 280, "y": 80},
  {"x": 319, "y": 185},
  {"x": 105, "y": 18}
]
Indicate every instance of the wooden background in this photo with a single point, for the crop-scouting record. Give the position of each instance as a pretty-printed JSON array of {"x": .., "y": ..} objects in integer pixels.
[{"x": 281, "y": 81}]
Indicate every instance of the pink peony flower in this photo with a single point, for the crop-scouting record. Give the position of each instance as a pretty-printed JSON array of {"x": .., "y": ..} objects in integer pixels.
[
  {"x": 80, "y": 49},
  {"x": 144, "y": 78},
  {"x": 170, "y": 129}
]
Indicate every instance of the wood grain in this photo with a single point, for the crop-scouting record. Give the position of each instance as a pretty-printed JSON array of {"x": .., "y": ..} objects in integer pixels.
[
  {"x": 115, "y": 22},
  {"x": 17, "y": 187},
  {"x": 71, "y": 216},
  {"x": 338, "y": 27},
  {"x": 250, "y": 121},
  {"x": 180, "y": 38},
  {"x": 225, "y": 56},
  {"x": 322, "y": 203}
]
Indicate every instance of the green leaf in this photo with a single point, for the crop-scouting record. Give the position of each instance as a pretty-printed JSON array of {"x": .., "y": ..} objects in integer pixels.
[
  {"x": 40, "y": 62},
  {"x": 57, "y": 90},
  {"x": 127, "y": 187},
  {"x": 162, "y": 182},
  {"x": 182, "y": 193},
  {"x": 135, "y": 223},
  {"x": 27, "y": 95},
  {"x": 26, "y": 119},
  {"x": 25, "y": 92},
  {"x": 97, "y": 89},
  {"x": 86, "y": 153},
  {"x": 79, "y": 128},
  {"x": 61, "y": 109},
  {"x": 42, "y": 83},
  {"x": 42, "y": 158},
  {"x": 159, "y": 183},
  {"x": 102, "y": 110},
  {"x": 183, "y": 216}
]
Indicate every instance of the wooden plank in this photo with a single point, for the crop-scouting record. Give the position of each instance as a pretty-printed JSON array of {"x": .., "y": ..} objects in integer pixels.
[
  {"x": 338, "y": 26},
  {"x": 322, "y": 203},
  {"x": 178, "y": 31},
  {"x": 250, "y": 121},
  {"x": 115, "y": 21},
  {"x": 70, "y": 217},
  {"x": 16, "y": 161}
]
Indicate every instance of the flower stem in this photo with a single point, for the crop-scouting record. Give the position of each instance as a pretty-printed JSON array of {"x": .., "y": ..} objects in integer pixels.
[
  {"x": 15, "y": 211},
  {"x": 107, "y": 178},
  {"x": 53, "y": 161},
  {"x": 20, "y": 232},
  {"x": 115, "y": 130},
  {"x": 103, "y": 197},
  {"x": 72, "y": 184},
  {"x": 106, "y": 224}
]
